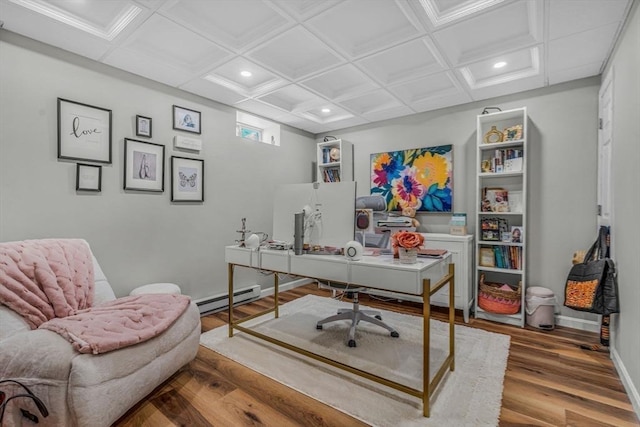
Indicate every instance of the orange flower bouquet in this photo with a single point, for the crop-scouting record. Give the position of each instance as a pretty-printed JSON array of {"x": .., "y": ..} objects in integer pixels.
[
  {"x": 405, "y": 246},
  {"x": 407, "y": 239}
]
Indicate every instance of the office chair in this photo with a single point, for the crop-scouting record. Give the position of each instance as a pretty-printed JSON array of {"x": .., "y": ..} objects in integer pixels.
[{"x": 355, "y": 314}]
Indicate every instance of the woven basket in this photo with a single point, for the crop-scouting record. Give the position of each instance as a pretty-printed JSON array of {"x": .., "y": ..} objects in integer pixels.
[{"x": 495, "y": 300}]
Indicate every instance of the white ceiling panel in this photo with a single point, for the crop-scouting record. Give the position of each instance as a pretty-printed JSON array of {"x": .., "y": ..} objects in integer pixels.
[
  {"x": 295, "y": 54},
  {"x": 212, "y": 90},
  {"x": 363, "y": 60},
  {"x": 514, "y": 66},
  {"x": 175, "y": 45},
  {"x": 565, "y": 52},
  {"x": 442, "y": 12},
  {"x": 292, "y": 98},
  {"x": 513, "y": 26},
  {"x": 409, "y": 60},
  {"x": 433, "y": 86},
  {"x": 377, "y": 100},
  {"x": 326, "y": 113},
  {"x": 340, "y": 82},
  {"x": 568, "y": 17},
  {"x": 304, "y": 9},
  {"x": 359, "y": 27},
  {"x": 235, "y": 24},
  {"x": 231, "y": 76}
]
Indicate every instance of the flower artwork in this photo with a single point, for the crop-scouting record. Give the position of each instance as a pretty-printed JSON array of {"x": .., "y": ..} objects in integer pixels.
[
  {"x": 420, "y": 178},
  {"x": 408, "y": 239}
]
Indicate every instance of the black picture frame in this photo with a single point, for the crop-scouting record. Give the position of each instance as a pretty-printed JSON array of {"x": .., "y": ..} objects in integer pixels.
[
  {"x": 143, "y": 126},
  {"x": 187, "y": 120},
  {"x": 187, "y": 179},
  {"x": 84, "y": 132},
  {"x": 88, "y": 177},
  {"x": 143, "y": 166}
]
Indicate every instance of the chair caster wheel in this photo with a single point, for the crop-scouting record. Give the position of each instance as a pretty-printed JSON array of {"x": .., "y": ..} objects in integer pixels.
[
  {"x": 352, "y": 343},
  {"x": 318, "y": 326},
  {"x": 395, "y": 334},
  {"x": 378, "y": 317}
]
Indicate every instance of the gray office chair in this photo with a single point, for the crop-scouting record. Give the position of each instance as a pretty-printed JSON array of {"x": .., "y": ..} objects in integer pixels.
[{"x": 355, "y": 314}]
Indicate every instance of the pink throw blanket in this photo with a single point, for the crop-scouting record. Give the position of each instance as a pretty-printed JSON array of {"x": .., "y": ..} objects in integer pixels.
[
  {"x": 50, "y": 283},
  {"x": 119, "y": 323},
  {"x": 48, "y": 278}
]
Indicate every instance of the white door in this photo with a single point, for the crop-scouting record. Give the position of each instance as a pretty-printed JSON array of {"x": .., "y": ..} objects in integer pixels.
[{"x": 605, "y": 150}]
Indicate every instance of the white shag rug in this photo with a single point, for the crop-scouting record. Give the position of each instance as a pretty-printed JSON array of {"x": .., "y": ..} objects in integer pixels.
[{"x": 469, "y": 396}]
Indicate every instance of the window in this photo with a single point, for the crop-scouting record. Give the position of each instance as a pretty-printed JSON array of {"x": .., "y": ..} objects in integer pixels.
[
  {"x": 257, "y": 129},
  {"x": 248, "y": 132}
]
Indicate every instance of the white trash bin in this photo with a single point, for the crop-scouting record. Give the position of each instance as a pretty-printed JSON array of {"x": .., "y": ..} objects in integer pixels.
[{"x": 540, "y": 307}]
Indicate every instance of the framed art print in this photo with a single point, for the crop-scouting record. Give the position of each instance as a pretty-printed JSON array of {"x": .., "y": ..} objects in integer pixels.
[
  {"x": 187, "y": 179},
  {"x": 84, "y": 132},
  {"x": 143, "y": 126},
  {"x": 88, "y": 177},
  {"x": 185, "y": 119},
  {"x": 143, "y": 166},
  {"x": 419, "y": 178}
]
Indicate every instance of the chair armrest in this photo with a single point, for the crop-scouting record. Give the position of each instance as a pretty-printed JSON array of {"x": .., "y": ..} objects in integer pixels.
[{"x": 36, "y": 354}]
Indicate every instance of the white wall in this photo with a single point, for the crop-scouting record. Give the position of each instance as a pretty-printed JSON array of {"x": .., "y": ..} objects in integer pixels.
[
  {"x": 562, "y": 149},
  {"x": 137, "y": 237},
  {"x": 625, "y": 239}
]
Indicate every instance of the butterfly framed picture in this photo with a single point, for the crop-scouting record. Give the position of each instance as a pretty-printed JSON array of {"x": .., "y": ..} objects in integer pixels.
[
  {"x": 143, "y": 166},
  {"x": 187, "y": 179}
]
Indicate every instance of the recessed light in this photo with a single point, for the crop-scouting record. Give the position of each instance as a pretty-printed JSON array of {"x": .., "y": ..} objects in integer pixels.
[
  {"x": 245, "y": 73},
  {"x": 326, "y": 110},
  {"x": 499, "y": 64}
]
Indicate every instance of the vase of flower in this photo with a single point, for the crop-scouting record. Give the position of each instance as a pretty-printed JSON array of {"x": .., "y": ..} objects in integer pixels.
[
  {"x": 406, "y": 243},
  {"x": 408, "y": 255}
]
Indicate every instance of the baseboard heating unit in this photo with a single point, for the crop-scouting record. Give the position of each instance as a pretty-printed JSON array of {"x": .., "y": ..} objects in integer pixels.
[{"x": 219, "y": 302}]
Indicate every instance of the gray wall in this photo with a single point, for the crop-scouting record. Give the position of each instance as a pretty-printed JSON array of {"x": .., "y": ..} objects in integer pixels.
[
  {"x": 137, "y": 237},
  {"x": 562, "y": 148},
  {"x": 625, "y": 239}
]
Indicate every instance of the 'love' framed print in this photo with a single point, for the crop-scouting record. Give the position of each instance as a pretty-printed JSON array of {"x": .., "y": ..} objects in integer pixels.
[{"x": 84, "y": 132}]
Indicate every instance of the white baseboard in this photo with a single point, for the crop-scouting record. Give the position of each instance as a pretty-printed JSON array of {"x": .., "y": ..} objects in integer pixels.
[
  {"x": 581, "y": 324},
  {"x": 631, "y": 390},
  {"x": 286, "y": 286}
]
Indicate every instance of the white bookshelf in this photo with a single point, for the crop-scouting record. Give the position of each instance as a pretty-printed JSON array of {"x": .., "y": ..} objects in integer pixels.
[
  {"x": 334, "y": 169},
  {"x": 494, "y": 177}
]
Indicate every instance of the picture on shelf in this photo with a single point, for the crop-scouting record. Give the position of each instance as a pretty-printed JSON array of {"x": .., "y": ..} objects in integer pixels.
[
  {"x": 515, "y": 201},
  {"x": 421, "y": 178},
  {"x": 495, "y": 200},
  {"x": 517, "y": 234},
  {"x": 513, "y": 133}
]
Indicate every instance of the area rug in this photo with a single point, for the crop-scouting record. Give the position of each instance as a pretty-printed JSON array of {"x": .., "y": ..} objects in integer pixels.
[{"x": 469, "y": 396}]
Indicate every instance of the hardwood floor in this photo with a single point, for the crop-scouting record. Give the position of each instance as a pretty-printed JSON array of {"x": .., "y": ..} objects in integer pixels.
[{"x": 550, "y": 381}]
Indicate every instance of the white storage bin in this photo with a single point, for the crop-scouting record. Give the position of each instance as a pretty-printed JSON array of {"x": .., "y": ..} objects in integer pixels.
[{"x": 541, "y": 304}]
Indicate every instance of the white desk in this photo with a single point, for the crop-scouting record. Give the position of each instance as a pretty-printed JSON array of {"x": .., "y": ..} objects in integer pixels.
[{"x": 378, "y": 272}]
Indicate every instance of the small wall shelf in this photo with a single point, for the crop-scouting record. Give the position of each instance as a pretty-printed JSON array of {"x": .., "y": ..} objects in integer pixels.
[{"x": 334, "y": 160}]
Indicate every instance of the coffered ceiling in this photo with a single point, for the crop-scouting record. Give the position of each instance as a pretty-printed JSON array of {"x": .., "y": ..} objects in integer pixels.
[{"x": 322, "y": 65}]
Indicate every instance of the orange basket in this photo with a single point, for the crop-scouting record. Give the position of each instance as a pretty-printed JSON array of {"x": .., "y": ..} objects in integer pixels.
[{"x": 495, "y": 300}]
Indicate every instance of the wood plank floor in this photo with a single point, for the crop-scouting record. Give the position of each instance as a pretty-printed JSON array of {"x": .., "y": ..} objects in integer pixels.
[{"x": 550, "y": 381}]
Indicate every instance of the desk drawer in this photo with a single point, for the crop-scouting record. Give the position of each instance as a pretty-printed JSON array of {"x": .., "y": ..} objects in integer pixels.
[
  {"x": 241, "y": 256},
  {"x": 385, "y": 276},
  {"x": 320, "y": 267},
  {"x": 275, "y": 261}
]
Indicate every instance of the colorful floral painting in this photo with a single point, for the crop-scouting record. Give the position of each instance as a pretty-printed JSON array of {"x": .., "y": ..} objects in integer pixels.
[{"x": 421, "y": 178}]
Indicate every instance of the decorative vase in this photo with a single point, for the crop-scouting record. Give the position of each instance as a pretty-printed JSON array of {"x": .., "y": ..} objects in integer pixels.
[{"x": 408, "y": 256}]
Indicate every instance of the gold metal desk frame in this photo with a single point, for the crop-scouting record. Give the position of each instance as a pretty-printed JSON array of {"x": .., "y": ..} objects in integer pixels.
[{"x": 428, "y": 290}]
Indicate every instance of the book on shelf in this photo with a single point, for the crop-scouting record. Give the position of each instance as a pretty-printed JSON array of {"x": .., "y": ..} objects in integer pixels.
[
  {"x": 332, "y": 175},
  {"x": 504, "y": 160}
]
